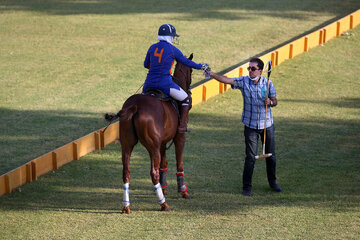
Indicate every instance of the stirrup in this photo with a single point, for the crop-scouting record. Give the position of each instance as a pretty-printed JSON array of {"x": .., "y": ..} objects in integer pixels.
[{"x": 183, "y": 130}]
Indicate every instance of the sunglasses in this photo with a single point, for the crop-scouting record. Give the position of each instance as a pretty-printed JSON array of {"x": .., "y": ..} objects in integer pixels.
[{"x": 252, "y": 69}]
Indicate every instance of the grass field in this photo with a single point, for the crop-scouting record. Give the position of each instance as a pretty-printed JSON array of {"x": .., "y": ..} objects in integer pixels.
[
  {"x": 317, "y": 148},
  {"x": 48, "y": 101},
  {"x": 65, "y": 63}
]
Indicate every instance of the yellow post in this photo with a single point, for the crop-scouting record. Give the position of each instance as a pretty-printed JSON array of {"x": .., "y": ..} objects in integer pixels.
[
  {"x": 28, "y": 172},
  {"x": 204, "y": 93},
  {"x": 291, "y": 51},
  {"x": 75, "y": 151},
  {"x": 337, "y": 28},
  {"x": 321, "y": 37},
  {"x": 33, "y": 169},
  {"x": 273, "y": 59},
  {"x": 221, "y": 87},
  {"x": 102, "y": 142},
  {"x": 306, "y": 44},
  {"x": 54, "y": 160},
  {"x": 97, "y": 141},
  {"x": 7, "y": 184},
  {"x": 240, "y": 71}
]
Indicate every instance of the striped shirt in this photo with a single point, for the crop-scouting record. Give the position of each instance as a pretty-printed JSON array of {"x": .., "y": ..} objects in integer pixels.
[{"x": 253, "y": 115}]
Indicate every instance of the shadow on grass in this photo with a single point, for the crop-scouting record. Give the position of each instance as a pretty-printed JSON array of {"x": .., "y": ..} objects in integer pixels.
[
  {"x": 27, "y": 134},
  {"x": 195, "y": 9},
  {"x": 346, "y": 102},
  {"x": 317, "y": 167}
]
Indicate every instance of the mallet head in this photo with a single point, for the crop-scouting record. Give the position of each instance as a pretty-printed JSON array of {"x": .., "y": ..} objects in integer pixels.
[{"x": 263, "y": 156}]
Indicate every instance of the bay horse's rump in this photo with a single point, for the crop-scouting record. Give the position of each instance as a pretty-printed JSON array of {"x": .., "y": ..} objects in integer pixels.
[{"x": 138, "y": 121}]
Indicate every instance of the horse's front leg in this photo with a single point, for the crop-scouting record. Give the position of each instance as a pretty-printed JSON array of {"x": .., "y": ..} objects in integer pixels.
[
  {"x": 179, "y": 142},
  {"x": 163, "y": 169},
  {"x": 155, "y": 176}
]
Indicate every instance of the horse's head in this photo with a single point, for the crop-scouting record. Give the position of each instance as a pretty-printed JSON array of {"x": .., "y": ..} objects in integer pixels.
[{"x": 182, "y": 75}]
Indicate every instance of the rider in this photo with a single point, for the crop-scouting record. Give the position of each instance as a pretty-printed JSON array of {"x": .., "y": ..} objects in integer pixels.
[{"x": 159, "y": 60}]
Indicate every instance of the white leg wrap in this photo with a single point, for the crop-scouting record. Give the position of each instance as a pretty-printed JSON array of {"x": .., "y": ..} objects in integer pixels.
[
  {"x": 126, "y": 200},
  {"x": 159, "y": 193}
]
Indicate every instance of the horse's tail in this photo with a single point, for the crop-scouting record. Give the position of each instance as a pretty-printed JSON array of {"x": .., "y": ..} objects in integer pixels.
[{"x": 123, "y": 115}]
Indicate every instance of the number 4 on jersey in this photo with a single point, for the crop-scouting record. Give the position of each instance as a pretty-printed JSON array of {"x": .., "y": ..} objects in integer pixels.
[{"x": 159, "y": 55}]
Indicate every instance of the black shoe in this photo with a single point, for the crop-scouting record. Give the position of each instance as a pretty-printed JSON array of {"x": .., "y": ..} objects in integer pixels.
[
  {"x": 276, "y": 187},
  {"x": 247, "y": 193}
]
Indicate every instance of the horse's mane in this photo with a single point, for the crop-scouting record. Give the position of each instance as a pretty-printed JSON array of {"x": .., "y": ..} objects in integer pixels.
[{"x": 182, "y": 75}]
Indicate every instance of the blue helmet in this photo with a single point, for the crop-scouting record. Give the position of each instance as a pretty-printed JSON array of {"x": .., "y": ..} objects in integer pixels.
[{"x": 167, "y": 30}]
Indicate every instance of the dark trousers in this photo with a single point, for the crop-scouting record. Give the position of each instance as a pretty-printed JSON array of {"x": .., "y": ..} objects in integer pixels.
[{"x": 251, "y": 142}]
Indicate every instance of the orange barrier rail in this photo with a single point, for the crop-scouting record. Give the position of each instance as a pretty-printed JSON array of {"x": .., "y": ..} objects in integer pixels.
[
  {"x": 97, "y": 140},
  {"x": 211, "y": 88},
  {"x": 55, "y": 159}
]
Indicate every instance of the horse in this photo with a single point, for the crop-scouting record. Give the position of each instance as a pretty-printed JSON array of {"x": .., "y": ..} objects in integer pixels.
[{"x": 154, "y": 123}]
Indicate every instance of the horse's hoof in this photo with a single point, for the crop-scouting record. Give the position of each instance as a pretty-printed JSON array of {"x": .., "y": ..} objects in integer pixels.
[
  {"x": 164, "y": 191},
  {"x": 126, "y": 210},
  {"x": 185, "y": 195},
  {"x": 165, "y": 207}
]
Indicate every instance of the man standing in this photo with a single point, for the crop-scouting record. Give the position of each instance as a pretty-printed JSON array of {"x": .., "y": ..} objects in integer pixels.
[{"x": 253, "y": 89}]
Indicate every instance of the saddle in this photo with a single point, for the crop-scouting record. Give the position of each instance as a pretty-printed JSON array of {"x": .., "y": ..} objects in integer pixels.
[
  {"x": 158, "y": 94},
  {"x": 162, "y": 96}
]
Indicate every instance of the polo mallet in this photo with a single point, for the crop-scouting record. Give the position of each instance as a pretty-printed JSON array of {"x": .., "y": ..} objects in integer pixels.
[{"x": 266, "y": 155}]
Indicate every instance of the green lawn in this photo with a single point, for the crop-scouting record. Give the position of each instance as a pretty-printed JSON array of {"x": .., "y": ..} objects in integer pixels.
[
  {"x": 317, "y": 148},
  {"x": 47, "y": 102},
  {"x": 65, "y": 63}
]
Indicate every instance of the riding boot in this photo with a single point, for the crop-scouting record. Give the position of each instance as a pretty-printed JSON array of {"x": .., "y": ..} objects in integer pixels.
[{"x": 184, "y": 118}]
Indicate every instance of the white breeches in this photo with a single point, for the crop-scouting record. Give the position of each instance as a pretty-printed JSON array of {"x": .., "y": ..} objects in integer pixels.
[{"x": 179, "y": 95}]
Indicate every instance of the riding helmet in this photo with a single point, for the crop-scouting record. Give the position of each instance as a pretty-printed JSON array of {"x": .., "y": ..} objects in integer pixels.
[{"x": 167, "y": 30}]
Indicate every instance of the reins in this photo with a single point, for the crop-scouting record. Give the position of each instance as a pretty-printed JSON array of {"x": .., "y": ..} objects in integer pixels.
[
  {"x": 178, "y": 81},
  {"x": 172, "y": 141},
  {"x": 139, "y": 88}
]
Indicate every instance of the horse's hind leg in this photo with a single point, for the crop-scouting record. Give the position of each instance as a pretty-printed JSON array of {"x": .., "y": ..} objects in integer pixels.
[
  {"x": 163, "y": 169},
  {"x": 128, "y": 140},
  {"x": 126, "y": 179},
  {"x": 179, "y": 142},
  {"x": 155, "y": 157}
]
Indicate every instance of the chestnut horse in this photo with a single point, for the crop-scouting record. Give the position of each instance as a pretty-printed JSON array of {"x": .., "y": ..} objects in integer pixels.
[{"x": 154, "y": 123}]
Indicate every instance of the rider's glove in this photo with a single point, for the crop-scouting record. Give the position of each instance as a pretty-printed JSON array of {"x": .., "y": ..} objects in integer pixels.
[{"x": 205, "y": 67}]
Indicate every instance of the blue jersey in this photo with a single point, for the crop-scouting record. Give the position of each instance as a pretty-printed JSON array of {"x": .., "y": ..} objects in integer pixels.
[{"x": 159, "y": 60}]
